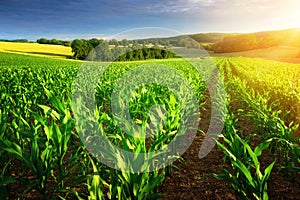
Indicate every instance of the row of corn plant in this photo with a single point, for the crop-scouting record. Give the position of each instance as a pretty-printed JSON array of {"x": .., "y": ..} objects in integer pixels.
[
  {"x": 245, "y": 173},
  {"x": 152, "y": 127},
  {"x": 281, "y": 80},
  {"x": 41, "y": 149},
  {"x": 270, "y": 121}
]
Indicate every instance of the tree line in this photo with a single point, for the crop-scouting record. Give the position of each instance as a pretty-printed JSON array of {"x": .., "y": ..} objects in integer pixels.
[
  {"x": 15, "y": 40},
  {"x": 123, "y": 50},
  {"x": 235, "y": 43},
  {"x": 113, "y": 50},
  {"x": 54, "y": 42}
]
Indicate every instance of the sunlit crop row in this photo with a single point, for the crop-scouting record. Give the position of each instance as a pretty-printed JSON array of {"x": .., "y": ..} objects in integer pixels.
[
  {"x": 280, "y": 80},
  {"x": 249, "y": 101}
]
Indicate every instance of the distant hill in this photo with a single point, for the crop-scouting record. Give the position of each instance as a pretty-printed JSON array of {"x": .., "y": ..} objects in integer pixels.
[
  {"x": 278, "y": 53},
  {"x": 236, "y": 42},
  {"x": 258, "y": 40},
  {"x": 278, "y": 37},
  {"x": 199, "y": 37},
  {"x": 209, "y": 37},
  {"x": 281, "y": 37}
]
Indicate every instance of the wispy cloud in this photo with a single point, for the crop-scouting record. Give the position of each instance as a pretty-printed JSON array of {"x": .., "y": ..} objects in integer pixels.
[{"x": 166, "y": 7}]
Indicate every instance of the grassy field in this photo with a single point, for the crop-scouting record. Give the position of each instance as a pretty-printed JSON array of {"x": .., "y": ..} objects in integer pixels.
[
  {"x": 43, "y": 155},
  {"x": 35, "y": 49}
]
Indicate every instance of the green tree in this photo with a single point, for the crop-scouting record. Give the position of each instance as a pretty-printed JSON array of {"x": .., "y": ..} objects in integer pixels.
[
  {"x": 42, "y": 41},
  {"x": 95, "y": 42},
  {"x": 103, "y": 52},
  {"x": 139, "y": 54},
  {"x": 80, "y": 48},
  {"x": 124, "y": 42},
  {"x": 113, "y": 42},
  {"x": 67, "y": 43}
]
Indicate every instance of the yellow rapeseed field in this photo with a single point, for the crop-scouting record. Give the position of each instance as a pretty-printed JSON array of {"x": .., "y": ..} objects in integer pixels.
[{"x": 44, "y": 50}]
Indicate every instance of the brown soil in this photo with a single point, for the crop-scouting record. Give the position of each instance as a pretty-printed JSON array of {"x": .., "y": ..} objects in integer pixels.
[{"x": 191, "y": 181}]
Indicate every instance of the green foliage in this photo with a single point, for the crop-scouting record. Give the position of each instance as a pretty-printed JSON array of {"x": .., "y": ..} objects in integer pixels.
[
  {"x": 15, "y": 40},
  {"x": 245, "y": 176},
  {"x": 244, "y": 161},
  {"x": 234, "y": 43},
  {"x": 100, "y": 50},
  {"x": 277, "y": 134},
  {"x": 146, "y": 54},
  {"x": 54, "y": 41},
  {"x": 37, "y": 130},
  {"x": 81, "y": 49},
  {"x": 264, "y": 105}
]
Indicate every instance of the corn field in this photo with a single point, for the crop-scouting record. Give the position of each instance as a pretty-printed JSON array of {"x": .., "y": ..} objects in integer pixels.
[{"x": 41, "y": 149}]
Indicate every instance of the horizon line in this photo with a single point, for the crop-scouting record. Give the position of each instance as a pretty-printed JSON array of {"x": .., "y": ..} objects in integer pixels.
[{"x": 109, "y": 37}]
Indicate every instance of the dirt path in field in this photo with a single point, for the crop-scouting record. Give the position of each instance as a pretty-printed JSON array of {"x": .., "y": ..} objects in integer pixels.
[{"x": 190, "y": 181}]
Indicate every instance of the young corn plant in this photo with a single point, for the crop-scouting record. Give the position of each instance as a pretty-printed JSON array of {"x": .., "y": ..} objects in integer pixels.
[
  {"x": 5, "y": 161},
  {"x": 155, "y": 126},
  {"x": 126, "y": 185},
  {"x": 246, "y": 176},
  {"x": 95, "y": 183},
  {"x": 46, "y": 146},
  {"x": 271, "y": 124},
  {"x": 58, "y": 126},
  {"x": 292, "y": 156},
  {"x": 59, "y": 132},
  {"x": 34, "y": 157}
]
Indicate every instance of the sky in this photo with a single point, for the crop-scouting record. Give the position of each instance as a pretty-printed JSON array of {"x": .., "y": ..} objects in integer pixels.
[{"x": 69, "y": 19}]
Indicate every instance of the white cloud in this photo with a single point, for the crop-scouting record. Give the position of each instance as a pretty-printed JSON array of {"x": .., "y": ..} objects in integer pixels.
[
  {"x": 181, "y": 6},
  {"x": 146, "y": 32}
]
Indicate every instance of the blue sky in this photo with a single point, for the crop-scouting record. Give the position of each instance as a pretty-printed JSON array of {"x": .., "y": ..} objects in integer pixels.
[{"x": 68, "y": 19}]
